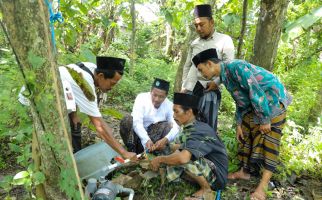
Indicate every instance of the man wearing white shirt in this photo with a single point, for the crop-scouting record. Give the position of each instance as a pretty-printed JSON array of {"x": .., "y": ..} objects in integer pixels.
[
  {"x": 80, "y": 82},
  {"x": 208, "y": 38},
  {"x": 151, "y": 125}
]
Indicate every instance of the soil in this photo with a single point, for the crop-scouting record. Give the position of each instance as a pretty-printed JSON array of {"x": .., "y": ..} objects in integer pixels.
[{"x": 298, "y": 188}]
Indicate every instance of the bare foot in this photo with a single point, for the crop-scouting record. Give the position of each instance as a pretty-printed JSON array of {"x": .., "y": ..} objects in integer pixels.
[
  {"x": 259, "y": 194},
  {"x": 199, "y": 193},
  {"x": 239, "y": 175}
]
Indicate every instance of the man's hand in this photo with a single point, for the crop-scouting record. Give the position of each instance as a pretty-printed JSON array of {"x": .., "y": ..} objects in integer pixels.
[
  {"x": 265, "y": 128},
  {"x": 239, "y": 133},
  {"x": 211, "y": 86},
  {"x": 129, "y": 155},
  {"x": 183, "y": 90},
  {"x": 160, "y": 144},
  {"x": 155, "y": 163},
  {"x": 149, "y": 144},
  {"x": 174, "y": 147}
]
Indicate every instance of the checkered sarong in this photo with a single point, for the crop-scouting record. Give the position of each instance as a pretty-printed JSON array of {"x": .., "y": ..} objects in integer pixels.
[
  {"x": 199, "y": 167},
  {"x": 155, "y": 131}
]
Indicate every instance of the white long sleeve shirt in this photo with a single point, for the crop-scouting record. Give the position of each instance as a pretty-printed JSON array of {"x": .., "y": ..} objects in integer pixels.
[
  {"x": 225, "y": 50},
  {"x": 144, "y": 114}
]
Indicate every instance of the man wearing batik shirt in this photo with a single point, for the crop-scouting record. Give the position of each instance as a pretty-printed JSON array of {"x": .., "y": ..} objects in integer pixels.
[
  {"x": 198, "y": 151},
  {"x": 151, "y": 126},
  {"x": 261, "y": 102}
]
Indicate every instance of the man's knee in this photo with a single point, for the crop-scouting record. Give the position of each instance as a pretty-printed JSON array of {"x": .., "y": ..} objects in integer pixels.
[
  {"x": 126, "y": 126},
  {"x": 166, "y": 126}
]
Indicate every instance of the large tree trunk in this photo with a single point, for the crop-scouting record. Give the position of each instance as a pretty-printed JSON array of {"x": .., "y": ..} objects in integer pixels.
[
  {"x": 242, "y": 31},
  {"x": 269, "y": 26},
  {"x": 27, "y": 27}
]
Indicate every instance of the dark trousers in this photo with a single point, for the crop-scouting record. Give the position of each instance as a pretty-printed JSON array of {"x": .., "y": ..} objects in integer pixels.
[
  {"x": 131, "y": 140},
  {"x": 76, "y": 132}
]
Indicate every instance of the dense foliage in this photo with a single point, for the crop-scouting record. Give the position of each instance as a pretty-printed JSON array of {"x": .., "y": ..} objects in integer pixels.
[{"x": 93, "y": 28}]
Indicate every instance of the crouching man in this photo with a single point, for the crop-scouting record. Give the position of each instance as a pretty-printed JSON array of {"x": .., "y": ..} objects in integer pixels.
[
  {"x": 151, "y": 126},
  {"x": 199, "y": 152}
]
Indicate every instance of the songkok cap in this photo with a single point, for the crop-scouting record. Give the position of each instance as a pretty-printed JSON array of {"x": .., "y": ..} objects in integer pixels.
[
  {"x": 186, "y": 100},
  {"x": 204, "y": 56},
  {"x": 203, "y": 10},
  {"x": 110, "y": 63},
  {"x": 161, "y": 84},
  {"x": 198, "y": 90}
]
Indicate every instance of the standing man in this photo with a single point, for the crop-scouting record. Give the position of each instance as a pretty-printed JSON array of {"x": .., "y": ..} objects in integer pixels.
[
  {"x": 151, "y": 125},
  {"x": 261, "y": 103},
  {"x": 80, "y": 82},
  {"x": 208, "y": 38}
]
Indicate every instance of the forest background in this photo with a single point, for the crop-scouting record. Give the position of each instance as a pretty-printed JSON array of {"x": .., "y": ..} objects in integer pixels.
[{"x": 153, "y": 36}]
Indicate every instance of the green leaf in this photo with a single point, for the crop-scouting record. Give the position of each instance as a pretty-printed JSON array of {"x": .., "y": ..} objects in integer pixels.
[
  {"x": 35, "y": 60},
  {"x": 106, "y": 22},
  {"x": 38, "y": 178},
  {"x": 112, "y": 112},
  {"x": 87, "y": 54},
  {"x": 296, "y": 28},
  {"x": 5, "y": 183},
  {"x": 21, "y": 178},
  {"x": 14, "y": 148},
  {"x": 168, "y": 16},
  {"x": 82, "y": 8}
]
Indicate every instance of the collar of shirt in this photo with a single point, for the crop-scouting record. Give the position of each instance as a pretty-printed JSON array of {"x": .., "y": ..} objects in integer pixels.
[
  {"x": 209, "y": 38},
  {"x": 222, "y": 72},
  {"x": 189, "y": 124}
]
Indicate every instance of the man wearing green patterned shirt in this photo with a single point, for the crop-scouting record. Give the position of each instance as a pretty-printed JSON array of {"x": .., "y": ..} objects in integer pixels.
[{"x": 261, "y": 102}]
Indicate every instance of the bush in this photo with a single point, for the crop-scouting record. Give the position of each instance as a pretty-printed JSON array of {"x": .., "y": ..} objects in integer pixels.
[
  {"x": 144, "y": 73},
  {"x": 300, "y": 153}
]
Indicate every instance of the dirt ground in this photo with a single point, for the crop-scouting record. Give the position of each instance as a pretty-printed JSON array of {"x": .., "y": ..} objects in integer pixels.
[{"x": 298, "y": 188}]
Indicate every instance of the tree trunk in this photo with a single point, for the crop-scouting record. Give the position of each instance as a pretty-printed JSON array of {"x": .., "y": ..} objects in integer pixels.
[
  {"x": 108, "y": 36},
  {"x": 132, "y": 50},
  {"x": 243, "y": 30},
  {"x": 170, "y": 39},
  {"x": 269, "y": 26},
  {"x": 184, "y": 54},
  {"x": 27, "y": 27}
]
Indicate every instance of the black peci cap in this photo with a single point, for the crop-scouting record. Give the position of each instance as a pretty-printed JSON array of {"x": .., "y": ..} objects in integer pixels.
[
  {"x": 161, "y": 84},
  {"x": 187, "y": 100},
  {"x": 203, "y": 10},
  {"x": 110, "y": 63},
  {"x": 204, "y": 56}
]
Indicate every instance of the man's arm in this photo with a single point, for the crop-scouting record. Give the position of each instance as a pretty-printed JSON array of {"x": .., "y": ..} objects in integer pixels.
[
  {"x": 186, "y": 67},
  {"x": 176, "y": 158},
  {"x": 105, "y": 132},
  {"x": 160, "y": 144},
  {"x": 228, "y": 50},
  {"x": 138, "y": 127}
]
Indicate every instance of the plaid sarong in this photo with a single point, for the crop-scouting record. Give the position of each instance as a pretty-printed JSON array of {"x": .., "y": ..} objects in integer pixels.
[
  {"x": 200, "y": 167},
  {"x": 260, "y": 150},
  {"x": 155, "y": 131}
]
